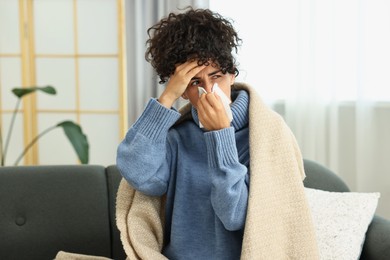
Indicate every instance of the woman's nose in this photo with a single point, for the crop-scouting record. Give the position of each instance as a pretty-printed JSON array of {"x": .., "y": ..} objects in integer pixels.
[{"x": 208, "y": 86}]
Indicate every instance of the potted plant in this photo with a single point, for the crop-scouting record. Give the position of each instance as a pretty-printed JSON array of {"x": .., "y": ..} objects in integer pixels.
[{"x": 72, "y": 130}]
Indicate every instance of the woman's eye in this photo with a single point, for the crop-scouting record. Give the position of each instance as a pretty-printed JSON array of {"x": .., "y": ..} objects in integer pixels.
[
  {"x": 194, "y": 83},
  {"x": 216, "y": 76}
]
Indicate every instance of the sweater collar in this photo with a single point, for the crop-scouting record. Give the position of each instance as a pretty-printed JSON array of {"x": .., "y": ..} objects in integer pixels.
[{"x": 239, "y": 108}]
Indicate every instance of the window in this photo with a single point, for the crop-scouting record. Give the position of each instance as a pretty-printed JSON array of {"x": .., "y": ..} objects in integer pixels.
[{"x": 333, "y": 49}]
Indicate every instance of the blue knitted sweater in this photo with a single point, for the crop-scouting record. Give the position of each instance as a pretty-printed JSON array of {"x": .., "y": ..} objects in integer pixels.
[{"x": 204, "y": 174}]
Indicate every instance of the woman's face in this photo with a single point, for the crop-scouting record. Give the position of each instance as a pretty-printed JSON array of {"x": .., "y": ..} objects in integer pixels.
[{"x": 206, "y": 78}]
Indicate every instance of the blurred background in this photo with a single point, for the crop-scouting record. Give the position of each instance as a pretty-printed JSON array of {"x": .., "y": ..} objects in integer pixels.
[{"x": 324, "y": 65}]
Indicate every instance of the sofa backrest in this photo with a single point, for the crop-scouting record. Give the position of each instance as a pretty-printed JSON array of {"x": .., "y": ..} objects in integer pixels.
[
  {"x": 320, "y": 177},
  {"x": 45, "y": 209}
]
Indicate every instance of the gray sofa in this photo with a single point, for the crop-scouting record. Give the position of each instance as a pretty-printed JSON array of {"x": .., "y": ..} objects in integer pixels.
[{"x": 45, "y": 209}]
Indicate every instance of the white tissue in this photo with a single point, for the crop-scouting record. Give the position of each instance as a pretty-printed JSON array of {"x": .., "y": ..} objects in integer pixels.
[{"x": 225, "y": 100}]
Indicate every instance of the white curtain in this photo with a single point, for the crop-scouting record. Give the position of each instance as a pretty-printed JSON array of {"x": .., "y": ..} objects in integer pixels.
[
  {"x": 141, "y": 80},
  {"x": 325, "y": 66}
]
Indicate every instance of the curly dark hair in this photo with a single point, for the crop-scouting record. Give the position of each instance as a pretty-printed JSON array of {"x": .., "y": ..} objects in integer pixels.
[{"x": 196, "y": 33}]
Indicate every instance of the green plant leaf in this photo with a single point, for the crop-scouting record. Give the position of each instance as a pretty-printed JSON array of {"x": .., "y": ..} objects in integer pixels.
[
  {"x": 20, "y": 92},
  {"x": 77, "y": 138}
]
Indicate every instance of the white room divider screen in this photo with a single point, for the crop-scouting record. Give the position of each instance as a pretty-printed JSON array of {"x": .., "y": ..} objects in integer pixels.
[{"x": 76, "y": 46}]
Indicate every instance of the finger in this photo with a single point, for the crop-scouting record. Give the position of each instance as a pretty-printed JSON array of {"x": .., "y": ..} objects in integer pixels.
[
  {"x": 189, "y": 68},
  {"x": 201, "y": 102},
  {"x": 186, "y": 66},
  {"x": 210, "y": 118},
  {"x": 214, "y": 100},
  {"x": 205, "y": 111},
  {"x": 205, "y": 107},
  {"x": 201, "y": 109},
  {"x": 195, "y": 70}
]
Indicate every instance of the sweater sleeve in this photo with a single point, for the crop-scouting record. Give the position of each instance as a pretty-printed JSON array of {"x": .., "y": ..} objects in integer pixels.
[
  {"x": 229, "y": 194},
  {"x": 143, "y": 156}
]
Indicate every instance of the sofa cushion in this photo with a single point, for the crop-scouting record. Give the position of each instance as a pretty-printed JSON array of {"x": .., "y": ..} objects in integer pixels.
[
  {"x": 45, "y": 209},
  {"x": 341, "y": 220}
]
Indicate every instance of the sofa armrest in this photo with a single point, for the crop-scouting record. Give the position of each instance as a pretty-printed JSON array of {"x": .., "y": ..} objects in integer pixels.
[
  {"x": 377, "y": 243},
  {"x": 113, "y": 180}
]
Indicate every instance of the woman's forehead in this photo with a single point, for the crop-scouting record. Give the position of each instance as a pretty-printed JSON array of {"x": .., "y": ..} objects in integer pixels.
[{"x": 208, "y": 71}]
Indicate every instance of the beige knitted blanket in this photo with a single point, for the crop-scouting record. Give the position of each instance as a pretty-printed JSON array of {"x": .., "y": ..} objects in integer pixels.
[{"x": 278, "y": 224}]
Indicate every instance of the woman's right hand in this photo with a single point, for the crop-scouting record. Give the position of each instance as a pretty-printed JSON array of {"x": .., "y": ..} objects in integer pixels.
[{"x": 178, "y": 82}]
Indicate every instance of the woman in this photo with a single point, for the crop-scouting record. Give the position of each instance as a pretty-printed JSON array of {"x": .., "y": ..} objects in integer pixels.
[{"x": 200, "y": 160}]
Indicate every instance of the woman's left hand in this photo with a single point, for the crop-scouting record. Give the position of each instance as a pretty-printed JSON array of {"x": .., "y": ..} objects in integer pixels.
[{"x": 211, "y": 112}]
